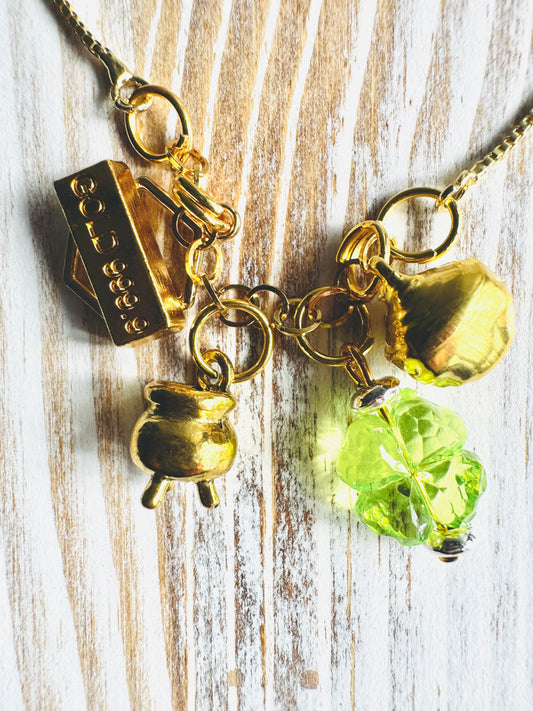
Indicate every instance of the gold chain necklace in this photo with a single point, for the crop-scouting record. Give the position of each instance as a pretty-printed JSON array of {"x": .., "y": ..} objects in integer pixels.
[{"x": 446, "y": 326}]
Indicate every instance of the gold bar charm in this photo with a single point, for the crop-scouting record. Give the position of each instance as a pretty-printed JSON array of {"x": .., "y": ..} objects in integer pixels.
[{"x": 118, "y": 250}]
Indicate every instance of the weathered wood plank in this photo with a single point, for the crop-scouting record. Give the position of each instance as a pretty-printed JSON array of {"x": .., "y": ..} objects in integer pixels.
[{"x": 312, "y": 113}]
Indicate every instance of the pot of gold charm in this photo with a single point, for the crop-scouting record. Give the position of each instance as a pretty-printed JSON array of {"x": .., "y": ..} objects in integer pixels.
[{"x": 184, "y": 435}]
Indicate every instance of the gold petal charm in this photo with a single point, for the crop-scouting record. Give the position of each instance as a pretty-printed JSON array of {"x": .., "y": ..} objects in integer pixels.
[{"x": 447, "y": 325}]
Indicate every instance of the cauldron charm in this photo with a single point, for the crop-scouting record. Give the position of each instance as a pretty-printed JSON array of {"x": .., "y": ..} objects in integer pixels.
[{"x": 184, "y": 434}]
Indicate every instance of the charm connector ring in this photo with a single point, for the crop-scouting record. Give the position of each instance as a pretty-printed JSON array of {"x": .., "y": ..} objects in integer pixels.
[
  {"x": 427, "y": 255},
  {"x": 354, "y": 251},
  {"x": 213, "y": 310},
  {"x": 360, "y": 312},
  {"x": 139, "y": 96}
]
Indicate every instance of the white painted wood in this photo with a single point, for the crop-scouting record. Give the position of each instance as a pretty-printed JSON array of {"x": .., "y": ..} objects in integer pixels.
[{"x": 313, "y": 113}]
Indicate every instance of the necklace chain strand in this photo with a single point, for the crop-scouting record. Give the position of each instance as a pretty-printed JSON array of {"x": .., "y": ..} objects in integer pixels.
[
  {"x": 86, "y": 37},
  {"x": 469, "y": 177},
  {"x": 119, "y": 74}
]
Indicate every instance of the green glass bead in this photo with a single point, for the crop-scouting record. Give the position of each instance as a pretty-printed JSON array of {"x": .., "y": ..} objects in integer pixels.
[{"x": 414, "y": 480}]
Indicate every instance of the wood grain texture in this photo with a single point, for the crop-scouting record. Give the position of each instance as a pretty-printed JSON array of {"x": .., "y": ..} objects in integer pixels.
[{"x": 312, "y": 113}]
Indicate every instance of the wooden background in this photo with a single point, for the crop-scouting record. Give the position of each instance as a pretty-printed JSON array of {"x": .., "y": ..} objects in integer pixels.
[{"x": 312, "y": 113}]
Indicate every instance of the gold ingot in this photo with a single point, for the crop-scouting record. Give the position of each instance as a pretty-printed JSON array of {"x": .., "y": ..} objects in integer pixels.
[
  {"x": 184, "y": 434},
  {"x": 447, "y": 325},
  {"x": 113, "y": 261}
]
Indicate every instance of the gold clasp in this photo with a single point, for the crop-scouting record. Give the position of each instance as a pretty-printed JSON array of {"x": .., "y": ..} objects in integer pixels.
[
  {"x": 212, "y": 217},
  {"x": 216, "y": 217}
]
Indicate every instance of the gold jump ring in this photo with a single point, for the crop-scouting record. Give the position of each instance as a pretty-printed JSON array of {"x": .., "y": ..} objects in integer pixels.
[
  {"x": 225, "y": 377},
  {"x": 258, "y": 316},
  {"x": 427, "y": 255},
  {"x": 325, "y": 293},
  {"x": 148, "y": 91},
  {"x": 190, "y": 261},
  {"x": 325, "y": 358},
  {"x": 354, "y": 249}
]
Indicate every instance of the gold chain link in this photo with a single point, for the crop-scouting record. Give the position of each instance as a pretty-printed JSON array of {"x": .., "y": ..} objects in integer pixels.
[
  {"x": 86, "y": 37},
  {"x": 119, "y": 74},
  {"x": 469, "y": 177}
]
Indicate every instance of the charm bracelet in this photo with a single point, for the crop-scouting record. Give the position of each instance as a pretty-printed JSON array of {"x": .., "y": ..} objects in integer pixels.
[{"x": 444, "y": 326}]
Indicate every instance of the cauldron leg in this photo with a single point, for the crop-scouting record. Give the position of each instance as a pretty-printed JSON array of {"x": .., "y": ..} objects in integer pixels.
[
  {"x": 155, "y": 491},
  {"x": 208, "y": 494}
]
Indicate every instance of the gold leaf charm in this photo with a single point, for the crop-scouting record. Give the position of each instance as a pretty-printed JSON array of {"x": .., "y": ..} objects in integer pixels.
[{"x": 113, "y": 261}]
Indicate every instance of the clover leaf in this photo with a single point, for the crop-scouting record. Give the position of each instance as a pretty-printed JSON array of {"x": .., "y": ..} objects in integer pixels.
[{"x": 408, "y": 464}]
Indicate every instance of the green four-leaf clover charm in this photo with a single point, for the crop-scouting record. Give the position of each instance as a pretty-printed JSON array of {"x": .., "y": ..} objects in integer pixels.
[{"x": 415, "y": 480}]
